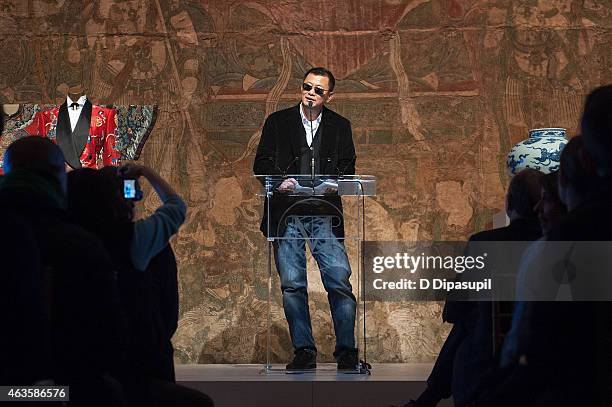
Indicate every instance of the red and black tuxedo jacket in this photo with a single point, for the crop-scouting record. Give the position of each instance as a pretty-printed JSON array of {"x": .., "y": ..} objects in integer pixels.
[
  {"x": 92, "y": 138},
  {"x": 281, "y": 149}
]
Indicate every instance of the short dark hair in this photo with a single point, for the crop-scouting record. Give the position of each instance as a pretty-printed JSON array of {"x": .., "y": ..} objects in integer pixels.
[
  {"x": 550, "y": 186},
  {"x": 524, "y": 192},
  {"x": 596, "y": 128},
  {"x": 100, "y": 192},
  {"x": 320, "y": 71},
  {"x": 34, "y": 153},
  {"x": 573, "y": 168}
]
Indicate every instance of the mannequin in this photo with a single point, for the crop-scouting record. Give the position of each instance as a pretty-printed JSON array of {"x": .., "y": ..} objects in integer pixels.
[
  {"x": 84, "y": 132},
  {"x": 75, "y": 93}
]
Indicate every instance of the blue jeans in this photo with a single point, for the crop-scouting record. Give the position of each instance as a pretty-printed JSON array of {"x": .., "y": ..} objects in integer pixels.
[{"x": 330, "y": 254}]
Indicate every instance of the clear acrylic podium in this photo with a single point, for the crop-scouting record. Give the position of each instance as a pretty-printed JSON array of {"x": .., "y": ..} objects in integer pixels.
[{"x": 319, "y": 196}]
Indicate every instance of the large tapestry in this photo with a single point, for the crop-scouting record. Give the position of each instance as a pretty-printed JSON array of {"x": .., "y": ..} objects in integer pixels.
[{"x": 437, "y": 92}]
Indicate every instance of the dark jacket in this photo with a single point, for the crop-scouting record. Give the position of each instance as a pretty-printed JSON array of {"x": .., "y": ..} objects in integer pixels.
[
  {"x": 149, "y": 301},
  {"x": 164, "y": 273},
  {"x": 281, "y": 149},
  {"x": 570, "y": 337},
  {"x": 474, "y": 359},
  {"x": 79, "y": 282},
  {"x": 24, "y": 347},
  {"x": 518, "y": 230}
]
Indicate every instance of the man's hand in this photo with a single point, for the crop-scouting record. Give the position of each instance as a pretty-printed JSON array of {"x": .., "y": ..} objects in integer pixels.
[
  {"x": 131, "y": 171},
  {"x": 287, "y": 185},
  {"x": 135, "y": 171},
  {"x": 331, "y": 191}
]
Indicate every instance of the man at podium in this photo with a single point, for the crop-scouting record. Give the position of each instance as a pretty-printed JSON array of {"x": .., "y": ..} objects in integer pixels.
[{"x": 309, "y": 140}]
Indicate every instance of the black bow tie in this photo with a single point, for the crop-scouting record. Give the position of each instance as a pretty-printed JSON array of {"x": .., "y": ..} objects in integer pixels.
[{"x": 74, "y": 105}]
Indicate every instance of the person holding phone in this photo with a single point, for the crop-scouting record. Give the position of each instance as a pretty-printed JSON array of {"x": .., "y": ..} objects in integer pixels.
[
  {"x": 146, "y": 271},
  {"x": 151, "y": 234},
  {"x": 112, "y": 191}
]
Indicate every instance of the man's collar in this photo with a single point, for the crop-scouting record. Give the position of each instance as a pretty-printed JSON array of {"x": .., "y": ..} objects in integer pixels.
[
  {"x": 317, "y": 120},
  {"x": 81, "y": 100}
]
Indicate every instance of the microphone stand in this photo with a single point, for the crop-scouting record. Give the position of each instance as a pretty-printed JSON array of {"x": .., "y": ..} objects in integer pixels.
[{"x": 312, "y": 157}]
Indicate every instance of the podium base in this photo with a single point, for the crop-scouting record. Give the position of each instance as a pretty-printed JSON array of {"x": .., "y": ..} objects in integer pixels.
[{"x": 324, "y": 369}]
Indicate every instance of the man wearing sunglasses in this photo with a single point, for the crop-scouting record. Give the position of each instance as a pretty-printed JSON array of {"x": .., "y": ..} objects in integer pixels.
[{"x": 310, "y": 139}]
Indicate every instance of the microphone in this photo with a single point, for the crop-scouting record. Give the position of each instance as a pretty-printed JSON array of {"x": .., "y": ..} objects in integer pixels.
[
  {"x": 284, "y": 173},
  {"x": 279, "y": 169},
  {"x": 312, "y": 159}
]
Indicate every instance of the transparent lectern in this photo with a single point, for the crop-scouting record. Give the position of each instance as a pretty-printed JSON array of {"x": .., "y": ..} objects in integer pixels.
[{"x": 314, "y": 212}]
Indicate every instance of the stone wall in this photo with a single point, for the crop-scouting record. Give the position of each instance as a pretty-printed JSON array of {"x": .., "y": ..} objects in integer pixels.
[{"x": 437, "y": 91}]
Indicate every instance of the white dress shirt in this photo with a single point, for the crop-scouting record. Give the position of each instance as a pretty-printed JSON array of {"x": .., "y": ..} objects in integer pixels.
[
  {"x": 75, "y": 112},
  {"x": 306, "y": 123}
]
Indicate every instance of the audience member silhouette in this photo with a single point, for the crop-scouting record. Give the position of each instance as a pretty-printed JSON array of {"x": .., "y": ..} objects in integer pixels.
[
  {"x": 23, "y": 346},
  {"x": 475, "y": 361},
  {"x": 564, "y": 360},
  {"x": 79, "y": 291},
  {"x": 24, "y": 341},
  {"x": 467, "y": 357},
  {"x": 571, "y": 337},
  {"x": 146, "y": 272},
  {"x": 577, "y": 177},
  {"x": 550, "y": 208}
]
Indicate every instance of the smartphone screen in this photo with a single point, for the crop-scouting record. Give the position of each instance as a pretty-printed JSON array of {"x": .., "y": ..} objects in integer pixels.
[{"x": 129, "y": 188}]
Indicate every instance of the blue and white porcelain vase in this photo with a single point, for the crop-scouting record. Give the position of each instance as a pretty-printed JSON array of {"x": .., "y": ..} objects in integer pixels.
[{"x": 541, "y": 151}]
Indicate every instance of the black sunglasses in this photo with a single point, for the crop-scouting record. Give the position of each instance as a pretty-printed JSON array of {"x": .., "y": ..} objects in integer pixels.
[{"x": 319, "y": 91}]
